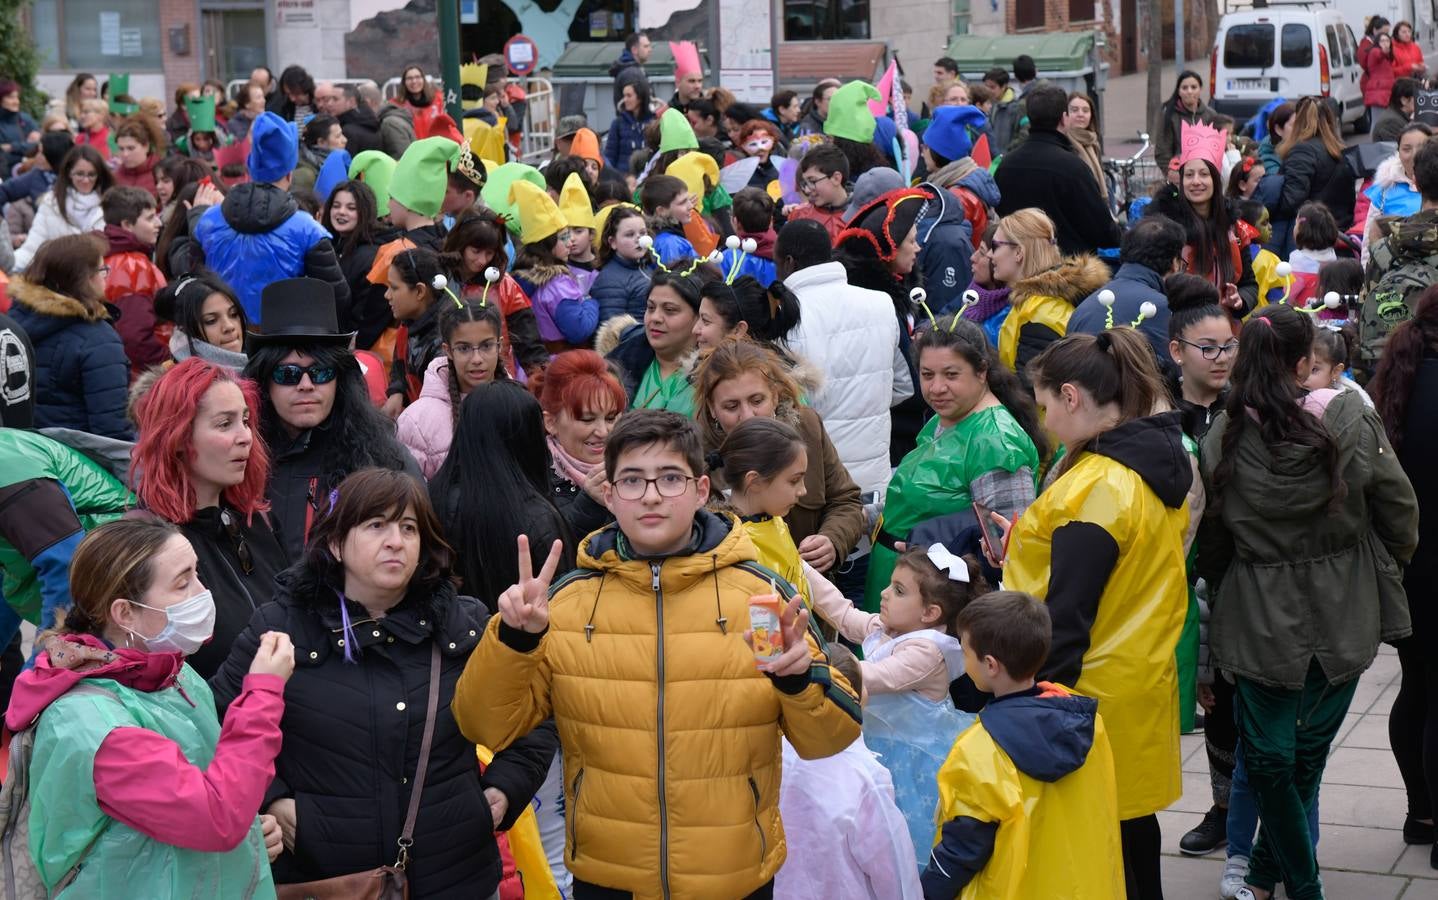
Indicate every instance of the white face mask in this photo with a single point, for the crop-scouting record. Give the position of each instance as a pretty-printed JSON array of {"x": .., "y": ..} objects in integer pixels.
[{"x": 188, "y": 625}]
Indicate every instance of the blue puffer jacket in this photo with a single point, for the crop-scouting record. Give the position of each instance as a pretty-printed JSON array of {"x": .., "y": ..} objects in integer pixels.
[
  {"x": 14, "y": 128},
  {"x": 257, "y": 236},
  {"x": 82, "y": 378},
  {"x": 622, "y": 288},
  {"x": 626, "y": 134}
]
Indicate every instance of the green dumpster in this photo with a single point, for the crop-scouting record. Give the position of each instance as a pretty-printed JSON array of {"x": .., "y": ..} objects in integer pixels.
[
  {"x": 582, "y": 83},
  {"x": 1071, "y": 59}
]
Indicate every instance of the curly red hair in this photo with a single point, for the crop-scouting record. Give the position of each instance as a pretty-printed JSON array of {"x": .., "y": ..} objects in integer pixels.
[{"x": 160, "y": 460}]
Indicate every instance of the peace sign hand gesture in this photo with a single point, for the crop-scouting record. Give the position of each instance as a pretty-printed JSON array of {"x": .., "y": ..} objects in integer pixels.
[{"x": 526, "y": 605}]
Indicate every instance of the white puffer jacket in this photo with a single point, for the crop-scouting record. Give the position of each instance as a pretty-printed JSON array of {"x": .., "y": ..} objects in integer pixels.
[
  {"x": 85, "y": 215},
  {"x": 852, "y": 336}
]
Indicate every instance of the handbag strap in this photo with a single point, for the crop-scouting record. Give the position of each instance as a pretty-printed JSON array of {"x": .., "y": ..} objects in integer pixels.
[{"x": 406, "y": 837}]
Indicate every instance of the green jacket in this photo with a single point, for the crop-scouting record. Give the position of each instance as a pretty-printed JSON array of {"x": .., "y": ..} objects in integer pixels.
[
  {"x": 35, "y": 540},
  {"x": 1294, "y": 582}
]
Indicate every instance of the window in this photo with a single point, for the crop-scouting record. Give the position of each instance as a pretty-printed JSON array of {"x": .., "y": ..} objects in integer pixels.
[
  {"x": 1350, "y": 49},
  {"x": 1248, "y": 47},
  {"x": 826, "y": 20},
  {"x": 1333, "y": 53},
  {"x": 97, "y": 35},
  {"x": 1028, "y": 14},
  {"x": 1297, "y": 48},
  {"x": 1082, "y": 11},
  {"x": 961, "y": 17}
]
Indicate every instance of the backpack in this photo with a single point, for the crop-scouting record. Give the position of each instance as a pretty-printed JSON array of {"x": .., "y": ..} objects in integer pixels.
[
  {"x": 22, "y": 878},
  {"x": 1002, "y": 124},
  {"x": 1390, "y": 300}
]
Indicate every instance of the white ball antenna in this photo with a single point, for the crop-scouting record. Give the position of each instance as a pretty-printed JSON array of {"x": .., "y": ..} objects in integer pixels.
[
  {"x": 918, "y": 295},
  {"x": 732, "y": 242},
  {"x": 1332, "y": 300},
  {"x": 714, "y": 256},
  {"x": 646, "y": 241},
  {"x": 749, "y": 245},
  {"x": 971, "y": 297},
  {"x": 1106, "y": 298},
  {"x": 491, "y": 274},
  {"x": 440, "y": 282},
  {"x": 1283, "y": 270},
  {"x": 1147, "y": 310}
]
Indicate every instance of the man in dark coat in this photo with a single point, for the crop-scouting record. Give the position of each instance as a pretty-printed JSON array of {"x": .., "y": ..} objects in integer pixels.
[
  {"x": 1150, "y": 250},
  {"x": 629, "y": 68},
  {"x": 1045, "y": 172},
  {"x": 357, "y": 121}
]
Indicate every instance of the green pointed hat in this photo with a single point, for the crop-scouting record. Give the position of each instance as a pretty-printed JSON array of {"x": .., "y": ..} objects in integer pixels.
[
  {"x": 375, "y": 168},
  {"x": 120, "y": 84},
  {"x": 675, "y": 132},
  {"x": 201, "y": 111},
  {"x": 422, "y": 174},
  {"x": 849, "y": 113},
  {"x": 496, "y": 191}
]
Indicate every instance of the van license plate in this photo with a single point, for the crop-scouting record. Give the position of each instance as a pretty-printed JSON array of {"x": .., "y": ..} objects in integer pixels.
[{"x": 1247, "y": 84}]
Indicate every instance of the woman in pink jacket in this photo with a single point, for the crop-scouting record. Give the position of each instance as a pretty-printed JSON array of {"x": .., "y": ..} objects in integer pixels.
[
  {"x": 135, "y": 787},
  {"x": 471, "y": 333}
]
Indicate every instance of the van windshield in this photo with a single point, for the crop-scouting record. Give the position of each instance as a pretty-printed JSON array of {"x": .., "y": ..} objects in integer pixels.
[
  {"x": 1250, "y": 47},
  {"x": 1298, "y": 47}
]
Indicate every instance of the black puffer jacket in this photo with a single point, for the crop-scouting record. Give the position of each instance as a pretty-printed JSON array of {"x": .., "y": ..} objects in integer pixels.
[
  {"x": 1309, "y": 173},
  {"x": 352, "y": 734},
  {"x": 583, "y": 513}
]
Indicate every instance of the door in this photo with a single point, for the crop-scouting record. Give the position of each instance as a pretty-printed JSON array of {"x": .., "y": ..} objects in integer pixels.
[{"x": 234, "y": 42}]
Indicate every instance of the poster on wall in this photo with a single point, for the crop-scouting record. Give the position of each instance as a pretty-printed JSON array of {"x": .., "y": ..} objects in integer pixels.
[
  {"x": 295, "y": 14},
  {"x": 599, "y": 24},
  {"x": 109, "y": 34},
  {"x": 132, "y": 42},
  {"x": 469, "y": 12}
]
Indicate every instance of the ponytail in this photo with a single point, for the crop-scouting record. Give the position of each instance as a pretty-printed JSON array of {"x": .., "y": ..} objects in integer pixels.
[
  {"x": 763, "y": 445},
  {"x": 1265, "y": 394},
  {"x": 770, "y": 313},
  {"x": 1115, "y": 366},
  {"x": 1392, "y": 384}
]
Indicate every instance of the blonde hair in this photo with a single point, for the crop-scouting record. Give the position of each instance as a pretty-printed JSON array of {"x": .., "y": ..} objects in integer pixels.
[
  {"x": 1312, "y": 117},
  {"x": 1034, "y": 232},
  {"x": 94, "y": 105}
]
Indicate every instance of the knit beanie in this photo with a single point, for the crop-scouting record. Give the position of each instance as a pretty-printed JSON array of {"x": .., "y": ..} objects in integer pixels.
[
  {"x": 274, "y": 148},
  {"x": 871, "y": 185},
  {"x": 539, "y": 217},
  {"x": 951, "y": 129},
  {"x": 375, "y": 168},
  {"x": 849, "y": 113},
  {"x": 422, "y": 175},
  {"x": 675, "y": 132},
  {"x": 496, "y": 191},
  {"x": 879, "y": 228}
]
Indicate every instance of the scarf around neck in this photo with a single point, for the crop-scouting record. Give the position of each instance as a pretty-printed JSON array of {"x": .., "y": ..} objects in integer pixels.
[
  {"x": 991, "y": 300},
  {"x": 568, "y": 466}
]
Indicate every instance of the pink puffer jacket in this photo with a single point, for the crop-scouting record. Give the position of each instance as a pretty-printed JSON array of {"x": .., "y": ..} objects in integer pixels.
[{"x": 426, "y": 426}]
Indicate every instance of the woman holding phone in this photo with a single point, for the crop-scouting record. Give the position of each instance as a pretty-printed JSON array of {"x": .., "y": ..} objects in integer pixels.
[{"x": 983, "y": 445}]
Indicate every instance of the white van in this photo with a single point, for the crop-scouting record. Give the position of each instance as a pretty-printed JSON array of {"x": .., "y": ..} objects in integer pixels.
[{"x": 1288, "y": 51}]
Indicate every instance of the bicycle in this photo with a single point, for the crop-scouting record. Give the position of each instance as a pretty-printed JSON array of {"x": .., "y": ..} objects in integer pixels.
[{"x": 1120, "y": 173}]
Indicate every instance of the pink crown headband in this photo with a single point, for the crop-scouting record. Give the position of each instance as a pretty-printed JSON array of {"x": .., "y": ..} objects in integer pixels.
[{"x": 1203, "y": 142}]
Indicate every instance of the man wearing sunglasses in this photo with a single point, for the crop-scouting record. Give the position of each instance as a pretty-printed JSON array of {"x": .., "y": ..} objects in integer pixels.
[{"x": 317, "y": 415}]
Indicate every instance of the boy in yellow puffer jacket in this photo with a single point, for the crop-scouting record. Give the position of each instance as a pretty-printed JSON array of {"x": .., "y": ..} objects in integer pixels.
[
  {"x": 669, "y": 729},
  {"x": 1027, "y": 801}
]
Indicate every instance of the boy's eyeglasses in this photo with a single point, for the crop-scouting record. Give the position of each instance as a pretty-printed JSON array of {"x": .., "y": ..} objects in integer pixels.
[
  {"x": 807, "y": 185},
  {"x": 290, "y": 375},
  {"x": 669, "y": 485},
  {"x": 1212, "y": 352}
]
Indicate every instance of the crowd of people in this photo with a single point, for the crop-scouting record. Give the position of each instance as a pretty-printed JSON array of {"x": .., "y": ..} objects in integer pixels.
[{"x": 359, "y": 477}]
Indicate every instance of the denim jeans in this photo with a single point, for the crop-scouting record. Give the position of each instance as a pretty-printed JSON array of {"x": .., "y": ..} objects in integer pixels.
[{"x": 1243, "y": 814}]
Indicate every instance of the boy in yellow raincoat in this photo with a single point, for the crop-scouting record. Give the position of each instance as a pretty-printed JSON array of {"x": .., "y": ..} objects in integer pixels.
[{"x": 1027, "y": 802}]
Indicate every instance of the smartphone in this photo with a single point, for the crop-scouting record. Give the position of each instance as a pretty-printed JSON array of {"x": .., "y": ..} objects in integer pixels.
[{"x": 995, "y": 540}]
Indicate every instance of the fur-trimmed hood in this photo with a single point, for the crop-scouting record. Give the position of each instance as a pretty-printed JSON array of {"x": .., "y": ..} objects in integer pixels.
[
  {"x": 541, "y": 275},
  {"x": 608, "y": 335},
  {"x": 1390, "y": 173},
  {"x": 1072, "y": 280},
  {"x": 46, "y": 302}
]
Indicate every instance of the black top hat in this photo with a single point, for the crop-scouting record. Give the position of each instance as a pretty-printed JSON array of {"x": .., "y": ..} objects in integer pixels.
[{"x": 299, "y": 311}]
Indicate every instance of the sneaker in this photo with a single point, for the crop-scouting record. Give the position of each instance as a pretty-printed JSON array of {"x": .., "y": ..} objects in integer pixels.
[
  {"x": 1210, "y": 834},
  {"x": 1235, "y": 871},
  {"x": 1416, "y": 832}
]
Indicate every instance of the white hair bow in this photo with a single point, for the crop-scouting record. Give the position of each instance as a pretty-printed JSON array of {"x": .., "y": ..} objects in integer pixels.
[{"x": 957, "y": 569}]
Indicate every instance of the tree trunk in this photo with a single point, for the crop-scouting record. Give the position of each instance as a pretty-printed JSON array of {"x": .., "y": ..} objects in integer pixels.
[{"x": 1153, "y": 47}]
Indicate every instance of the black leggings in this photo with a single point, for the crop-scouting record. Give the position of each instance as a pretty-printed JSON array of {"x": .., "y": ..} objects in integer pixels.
[
  {"x": 1142, "y": 843},
  {"x": 1413, "y": 727},
  {"x": 1220, "y": 739}
]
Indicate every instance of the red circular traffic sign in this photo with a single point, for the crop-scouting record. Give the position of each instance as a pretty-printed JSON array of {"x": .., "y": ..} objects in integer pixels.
[{"x": 521, "y": 55}]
